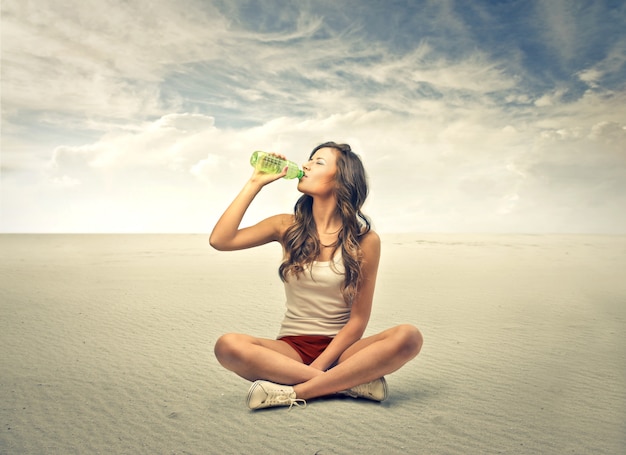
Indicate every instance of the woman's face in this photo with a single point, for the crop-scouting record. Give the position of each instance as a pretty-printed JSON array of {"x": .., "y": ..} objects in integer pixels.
[{"x": 319, "y": 173}]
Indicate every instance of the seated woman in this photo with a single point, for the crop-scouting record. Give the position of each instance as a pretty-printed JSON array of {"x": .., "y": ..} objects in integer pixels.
[{"x": 329, "y": 269}]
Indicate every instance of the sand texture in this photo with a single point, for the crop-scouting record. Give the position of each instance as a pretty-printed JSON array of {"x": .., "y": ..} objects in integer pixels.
[{"x": 107, "y": 347}]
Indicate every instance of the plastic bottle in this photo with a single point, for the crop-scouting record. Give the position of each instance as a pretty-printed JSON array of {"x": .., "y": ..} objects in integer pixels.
[{"x": 271, "y": 164}]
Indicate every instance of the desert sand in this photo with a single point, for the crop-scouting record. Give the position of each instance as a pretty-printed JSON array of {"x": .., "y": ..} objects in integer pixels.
[{"x": 107, "y": 347}]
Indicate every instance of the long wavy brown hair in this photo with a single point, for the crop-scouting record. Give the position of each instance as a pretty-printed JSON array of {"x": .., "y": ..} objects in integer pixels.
[{"x": 301, "y": 242}]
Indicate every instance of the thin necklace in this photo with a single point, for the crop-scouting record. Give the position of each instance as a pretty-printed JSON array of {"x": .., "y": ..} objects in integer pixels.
[
  {"x": 335, "y": 243},
  {"x": 330, "y": 233}
]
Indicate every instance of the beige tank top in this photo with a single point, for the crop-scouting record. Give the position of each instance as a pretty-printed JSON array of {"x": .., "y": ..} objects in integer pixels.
[{"x": 315, "y": 305}]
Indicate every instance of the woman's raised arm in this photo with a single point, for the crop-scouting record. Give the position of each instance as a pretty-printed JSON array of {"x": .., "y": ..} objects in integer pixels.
[{"x": 227, "y": 235}]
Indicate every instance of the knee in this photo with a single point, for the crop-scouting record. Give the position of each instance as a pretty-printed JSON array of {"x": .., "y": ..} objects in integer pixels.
[
  {"x": 227, "y": 347},
  {"x": 410, "y": 340}
]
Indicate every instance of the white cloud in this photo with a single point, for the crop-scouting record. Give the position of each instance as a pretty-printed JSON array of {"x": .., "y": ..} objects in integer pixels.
[
  {"x": 65, "y": 181},
  {"x": 557, "y": 20},
  {"x": 479, "y": 172},
  {"x": 106, "y": 58},
  {"x": 142, "y": 115},
  {"x": 551, "y": 98}
]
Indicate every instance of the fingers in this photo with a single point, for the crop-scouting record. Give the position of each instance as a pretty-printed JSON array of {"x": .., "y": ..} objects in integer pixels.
[{"x": 266, "y": 177}]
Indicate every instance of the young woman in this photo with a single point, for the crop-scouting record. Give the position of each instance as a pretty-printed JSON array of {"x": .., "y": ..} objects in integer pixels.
[{"x": 329, "y": 271}]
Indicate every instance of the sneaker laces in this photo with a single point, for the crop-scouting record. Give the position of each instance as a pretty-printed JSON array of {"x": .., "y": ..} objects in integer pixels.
[
  {"x": 367, "y": 390},
  {"x": 357, "y": 391},
  {"x": 298, "y": 402},
  {"x": 282, "y": 398}
]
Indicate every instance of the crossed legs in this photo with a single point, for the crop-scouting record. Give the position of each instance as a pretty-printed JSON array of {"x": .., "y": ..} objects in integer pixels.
[{"x": 367, "y": 359}]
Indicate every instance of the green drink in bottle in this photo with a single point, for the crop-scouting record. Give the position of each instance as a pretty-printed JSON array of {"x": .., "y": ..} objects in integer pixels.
[{"x": 270, "y": 164}]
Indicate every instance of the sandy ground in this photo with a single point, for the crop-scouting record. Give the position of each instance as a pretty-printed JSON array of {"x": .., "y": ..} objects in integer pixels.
[{"x": 107, "y": 348}]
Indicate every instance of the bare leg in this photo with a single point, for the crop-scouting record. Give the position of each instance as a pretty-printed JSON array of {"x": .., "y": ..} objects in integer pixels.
[
  {"x": 368, "y": 359},
  {"x": 258, "y": 358}
]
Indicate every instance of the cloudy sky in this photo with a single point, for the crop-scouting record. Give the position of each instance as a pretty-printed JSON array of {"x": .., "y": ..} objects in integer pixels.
[{"x": 470, "y": 116}]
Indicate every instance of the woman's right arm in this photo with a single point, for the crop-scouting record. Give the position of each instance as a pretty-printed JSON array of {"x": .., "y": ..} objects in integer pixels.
[{"x": 227, "y": 235}]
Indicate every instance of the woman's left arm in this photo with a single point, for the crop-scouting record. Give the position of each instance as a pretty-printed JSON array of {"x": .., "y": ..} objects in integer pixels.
[{"x": 361, "y": 306}]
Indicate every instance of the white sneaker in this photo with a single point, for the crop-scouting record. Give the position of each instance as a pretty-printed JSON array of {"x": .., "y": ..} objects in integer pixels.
[
  {"x": 376, "y": 390},
  {"x": 265, "y": 394}
]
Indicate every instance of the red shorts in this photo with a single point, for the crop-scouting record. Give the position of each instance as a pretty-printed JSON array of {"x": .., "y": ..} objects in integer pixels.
[{"x": 308, "y": 346}]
